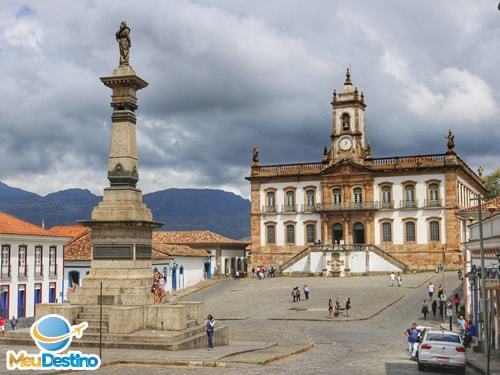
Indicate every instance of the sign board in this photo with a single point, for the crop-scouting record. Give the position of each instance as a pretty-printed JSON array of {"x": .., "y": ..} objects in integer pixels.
[
  {"x": 449, "y": 312},
  {"x": 142, "y": 251},
  {"x": 108, "y": 252}
]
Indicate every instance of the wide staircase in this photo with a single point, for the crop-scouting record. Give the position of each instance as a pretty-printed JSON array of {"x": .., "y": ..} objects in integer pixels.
[
  {"x": 194, "y": 336},
  {"x": 348, "y": 248}
]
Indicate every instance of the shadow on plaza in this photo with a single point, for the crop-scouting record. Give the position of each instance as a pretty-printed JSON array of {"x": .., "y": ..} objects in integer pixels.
[{"x": 411, "y": 368}]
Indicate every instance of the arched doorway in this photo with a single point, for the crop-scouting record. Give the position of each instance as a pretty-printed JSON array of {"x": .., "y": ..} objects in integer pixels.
[
  {"x": 337, "y": 233},
  {"x": 74, "y": 278},
  {"x": 358, "y": 233}
]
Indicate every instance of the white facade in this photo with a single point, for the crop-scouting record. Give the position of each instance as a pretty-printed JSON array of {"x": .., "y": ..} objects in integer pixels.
[{"x": 24, "y": 281}]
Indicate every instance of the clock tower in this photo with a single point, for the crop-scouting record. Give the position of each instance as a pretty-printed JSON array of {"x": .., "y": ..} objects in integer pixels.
[{"x": 348, "y": 124}]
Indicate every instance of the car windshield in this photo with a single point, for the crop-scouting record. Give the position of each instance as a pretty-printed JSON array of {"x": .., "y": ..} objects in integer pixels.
[{"x": 444, "y": 337}]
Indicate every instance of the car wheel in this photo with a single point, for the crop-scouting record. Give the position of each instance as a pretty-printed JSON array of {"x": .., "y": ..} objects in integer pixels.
[{"x": 421, "y": 366}]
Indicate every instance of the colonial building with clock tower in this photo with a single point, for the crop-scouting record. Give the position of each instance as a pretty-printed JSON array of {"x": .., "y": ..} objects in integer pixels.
[{"x": 352, "y": 213}]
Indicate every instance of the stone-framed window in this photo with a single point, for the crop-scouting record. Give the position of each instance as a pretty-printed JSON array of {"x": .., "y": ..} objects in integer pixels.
[
  {"x": 271, "y": 233},
  {"x": 357, "y": 195},
  {"x": 53, "y": 260},
  {"x": 309, "y": 198},
  {"x": 386, "y": 195},
  {"x": 433, "y": 198},
  {"x": 410, "y": 230},
  {"x": 434, "y": 230},
  {"x": 336, "y": 196},
  {"x": 270, "y": 206},
  {"x": 289, "y": 204},
  {"x": 290, "y": 233},
  {"x": 22, "y": 267},
  {"x": 386, "y": 230},
  {"x": 5, "y": 261},
  {"x": 38, "y": 260},
  {"x": 310, "y": 232},
  {"x": 409, "y": 195}
]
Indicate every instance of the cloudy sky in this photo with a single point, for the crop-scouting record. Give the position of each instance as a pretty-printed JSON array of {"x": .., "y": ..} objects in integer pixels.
[{"x": 232, "y": 74}]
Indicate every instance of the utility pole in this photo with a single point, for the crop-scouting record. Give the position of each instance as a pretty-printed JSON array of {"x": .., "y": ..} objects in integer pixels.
[{"x": 484, "y": 298}]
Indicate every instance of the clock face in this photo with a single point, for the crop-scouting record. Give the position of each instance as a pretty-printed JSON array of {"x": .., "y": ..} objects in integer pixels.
[{"x": 345, "y": 143}]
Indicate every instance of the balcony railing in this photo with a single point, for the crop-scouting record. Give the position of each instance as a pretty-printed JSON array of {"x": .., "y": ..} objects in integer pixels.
[
  {"x": 5, "y": 272},
  {"x": 269, "y": 210},
  {"x": 22, "y": 271},
  {"x": 290, "y": 209},
  {"x": 53, "y": 270},
  {"x": 38, "y": 271},
  {"x": 386, "y": 204},
  {"x": 347, "y": 206},
  {"x": 308, "y": 208},
  {"x": 430, "y": 203},
  {"x": 408, "y": 204}
]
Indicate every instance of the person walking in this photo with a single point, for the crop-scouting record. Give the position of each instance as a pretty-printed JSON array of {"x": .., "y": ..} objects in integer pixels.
[
  {"x": 434, "y": 307},
  {"x": 442, "y": 304},
  {"x": 456, "y": 300},
  {"x": 400, "y": 279},
  {"x": 412, "y": 334},
  {"x": 461, "y": 325},
  {"x": 330, "y": 308},
  {"x": 298, "y": 293},
  {"x": 2, "y": 326},
  {"x": 294, "y": 295},
  {"x": 440, "y": 291},
  {"x": 469, "y": 332},
  {"x": 425, "y": 309},
  {"x": 392, "y": 278},
  {"x": 13, "y": 323},
  {"x": 430, "y": 290},
  {"x": 210, "y": 331},
  {"x": 306, "y": 292},
  {"x": 347, "y": 306}
]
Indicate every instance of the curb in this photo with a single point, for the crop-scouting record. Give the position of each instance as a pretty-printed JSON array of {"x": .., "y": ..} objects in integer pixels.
[
  {"x": 177, "y": 363},
  {"x": 250, "y": 350},
  {"x": 286, "y": 355},
  {"x": 180, "y": 296},
  {"x": 476, "y": 367}
]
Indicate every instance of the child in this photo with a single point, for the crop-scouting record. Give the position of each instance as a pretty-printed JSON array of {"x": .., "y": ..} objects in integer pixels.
[
  {"x": 347, "y": 305},
  {"x": 330, "y": 308}
]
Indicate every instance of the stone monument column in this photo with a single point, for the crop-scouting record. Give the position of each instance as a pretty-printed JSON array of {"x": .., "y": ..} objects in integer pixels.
[{"x": 121, "y": 224}]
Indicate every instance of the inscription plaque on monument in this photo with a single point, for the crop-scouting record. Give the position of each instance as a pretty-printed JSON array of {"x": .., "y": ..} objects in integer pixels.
[
  {"x": 103, "y": 252},
  {"x": 142, "y": 251}
]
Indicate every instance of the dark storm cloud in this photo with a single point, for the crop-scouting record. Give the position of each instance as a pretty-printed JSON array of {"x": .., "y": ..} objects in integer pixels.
[{"x": 229, "y": 75}]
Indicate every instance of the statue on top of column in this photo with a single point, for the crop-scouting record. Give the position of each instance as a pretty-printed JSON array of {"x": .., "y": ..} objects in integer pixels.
[
  {"x": 451, "y": 141},
  {"x": 123, "y": 39},
  {"x": 255, "y": 155}
]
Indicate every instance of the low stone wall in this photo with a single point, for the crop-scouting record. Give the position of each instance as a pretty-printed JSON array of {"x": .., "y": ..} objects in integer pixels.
[
  {"x": 195, "y": 311},
  {"x": 166, "y": 317},
  {"x": 70, "y": 312},
  {"x": 126, "y": 319}
]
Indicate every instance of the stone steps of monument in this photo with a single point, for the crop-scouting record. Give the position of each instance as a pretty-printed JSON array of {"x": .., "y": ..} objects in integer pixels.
[
  {"x": 92, "y": 315},
  {"x": 191, "y": 338},
  {"x": 91, "y": 322}
]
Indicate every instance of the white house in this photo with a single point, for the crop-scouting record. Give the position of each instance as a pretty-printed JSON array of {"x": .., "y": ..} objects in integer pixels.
[{"x": 31, "y": 269}]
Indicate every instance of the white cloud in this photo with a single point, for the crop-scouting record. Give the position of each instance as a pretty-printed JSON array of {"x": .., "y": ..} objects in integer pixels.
[
  {"x": 23, "y": 32},
  {"x": 459, "y": 96}
]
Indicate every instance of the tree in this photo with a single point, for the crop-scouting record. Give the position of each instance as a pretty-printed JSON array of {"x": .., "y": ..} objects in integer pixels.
[{"x": 492, "y": 183}]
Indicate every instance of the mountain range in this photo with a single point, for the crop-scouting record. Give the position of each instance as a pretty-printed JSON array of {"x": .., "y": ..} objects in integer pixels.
[{"x": 180, "y": 209}]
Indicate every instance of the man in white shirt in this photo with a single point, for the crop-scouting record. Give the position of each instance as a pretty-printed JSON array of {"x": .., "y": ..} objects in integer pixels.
[{"x": 430, "y": 289}]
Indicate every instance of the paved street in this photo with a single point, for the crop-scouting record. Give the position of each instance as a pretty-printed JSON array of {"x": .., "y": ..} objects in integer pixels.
[{"x": 372, "y": 346}]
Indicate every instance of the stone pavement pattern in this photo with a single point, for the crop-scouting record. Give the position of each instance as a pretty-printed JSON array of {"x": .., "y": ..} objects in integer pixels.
[
  {"x": 374, "y": 346},
  {"x": 271, "y": 298}
]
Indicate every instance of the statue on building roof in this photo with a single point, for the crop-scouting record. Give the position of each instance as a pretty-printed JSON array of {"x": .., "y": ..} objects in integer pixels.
[
  {"x": 255, "y": 155},
  {"x": 480, "y": 171},
  {"x": 451, "y": 141},
  {"x": 123, "y": 39},
  {"x": 326, "y": 156}
]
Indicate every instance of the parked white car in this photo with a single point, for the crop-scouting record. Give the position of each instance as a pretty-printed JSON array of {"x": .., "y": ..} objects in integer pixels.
[{"x": 441, "y": 348}]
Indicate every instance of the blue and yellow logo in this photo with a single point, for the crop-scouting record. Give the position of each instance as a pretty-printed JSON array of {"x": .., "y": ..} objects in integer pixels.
[{"x": 53, "y": 335}]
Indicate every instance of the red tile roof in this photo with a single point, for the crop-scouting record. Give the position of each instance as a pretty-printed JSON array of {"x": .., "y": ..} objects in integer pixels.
[
  {"x": 79, "y": 249},
  {"x": 69, "y": 230},
  {"x": 195, "y": 237},
  {"x": 12, "y": 225}
]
